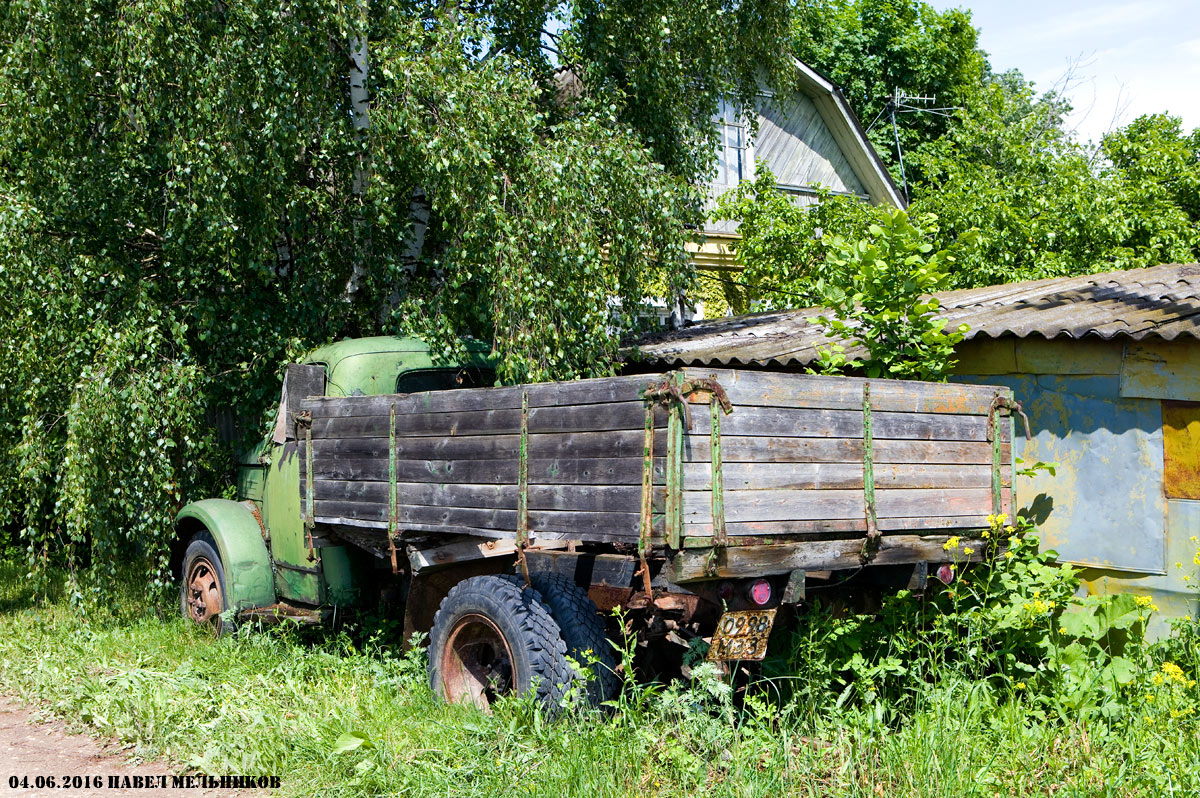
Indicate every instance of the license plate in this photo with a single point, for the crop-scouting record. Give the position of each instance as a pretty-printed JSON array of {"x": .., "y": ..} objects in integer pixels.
[{"x": 742, "y": 635}]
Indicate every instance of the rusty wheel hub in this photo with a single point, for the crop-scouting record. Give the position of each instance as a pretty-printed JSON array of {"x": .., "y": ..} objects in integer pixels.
[
  {"x": 476, "y": 662},
  {"x": 204, "y": 599}
]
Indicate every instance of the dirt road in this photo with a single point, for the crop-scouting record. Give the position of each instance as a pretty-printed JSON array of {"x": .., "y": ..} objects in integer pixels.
[{"x": 29, "y": 750}]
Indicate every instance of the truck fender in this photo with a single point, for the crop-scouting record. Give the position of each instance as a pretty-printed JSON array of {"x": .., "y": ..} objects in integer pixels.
[{"x": 239, "y": 536}]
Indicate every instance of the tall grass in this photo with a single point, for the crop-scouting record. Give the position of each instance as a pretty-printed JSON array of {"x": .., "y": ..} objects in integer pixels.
[{"x": 337, "y": 714}]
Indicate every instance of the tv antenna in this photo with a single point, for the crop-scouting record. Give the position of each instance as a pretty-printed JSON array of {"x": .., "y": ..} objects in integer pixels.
[{"x": 901, "y": 102}]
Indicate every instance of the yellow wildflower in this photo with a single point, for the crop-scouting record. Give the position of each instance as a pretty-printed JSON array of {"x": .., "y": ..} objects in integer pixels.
[
  {"x": 1144, "y": 601},
  {"x": 1194, "y": 539},
  {"x": 1157, "y": 679},
  {"x": 951, "y": 543},
  {"x": 1010, "y": 529},
  {"x": 1173, "y": 672},
  {"x": 968, "y": 552},
  {"x": 1001, "y": 519},
  {"x": 1020, "y": 685},
  {"x": 987, "y": 533},
  {"x": 1008, "y": 555}
]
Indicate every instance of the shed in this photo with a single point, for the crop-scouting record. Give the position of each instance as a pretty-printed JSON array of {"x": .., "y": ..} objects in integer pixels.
[{"x": 1108, "y": 369}]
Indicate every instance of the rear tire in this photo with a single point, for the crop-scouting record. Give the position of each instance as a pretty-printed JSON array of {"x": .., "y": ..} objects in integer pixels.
[
  {"x": 493, "y": 636},
  {"x": 202, "y": 589},
  {"x": 582, "y": 631}
]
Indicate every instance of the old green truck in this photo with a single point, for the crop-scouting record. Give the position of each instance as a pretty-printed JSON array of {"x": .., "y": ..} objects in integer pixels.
[{"x": 508, "y": 522}]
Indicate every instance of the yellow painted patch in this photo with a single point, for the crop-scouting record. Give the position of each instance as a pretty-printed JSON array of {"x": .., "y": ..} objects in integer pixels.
[{"x": 1181, "y": 449}]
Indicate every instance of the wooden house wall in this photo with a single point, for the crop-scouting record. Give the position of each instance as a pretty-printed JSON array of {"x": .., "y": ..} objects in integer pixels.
[{"x": 799, "y": 149}]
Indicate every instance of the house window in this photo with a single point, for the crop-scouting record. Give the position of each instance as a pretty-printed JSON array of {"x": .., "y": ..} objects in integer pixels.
[
  {"x": 734, "y": 161},
  {"x": 1181, "y": 449}
]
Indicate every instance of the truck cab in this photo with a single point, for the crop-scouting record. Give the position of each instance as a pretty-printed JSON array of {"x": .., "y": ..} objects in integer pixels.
[{"x": 254, "y": 555}]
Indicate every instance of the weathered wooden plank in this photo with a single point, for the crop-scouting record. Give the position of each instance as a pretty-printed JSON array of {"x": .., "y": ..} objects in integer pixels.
[
  {"x": 590, "y": 498},
  {"x": 742, "y": 449},
  {"x": 563, "y": 471},
  {"x": 793, "y": 422},
  {"x": 695, "y": 532},
  {"x": 596, "y": 526},
  {"x": 820, "y": 476},
  {"x": 425, "y": 402},
  {"x": 805, "y": 505},
  {"x": 431, "y": 557},
  {"x": 735, "y": 561},
  {"x": 627, "y": 443},
  {"x": 600, "y": 390},
  {"x": 571, "y": 418},
  {"x": 698, "y": 530},
  {"x": 777, "y": 505},
  {"x": 780, "y": 389}
]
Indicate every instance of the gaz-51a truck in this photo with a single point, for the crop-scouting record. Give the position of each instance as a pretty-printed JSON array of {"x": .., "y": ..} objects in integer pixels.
[{"x": 508, "y": 522}]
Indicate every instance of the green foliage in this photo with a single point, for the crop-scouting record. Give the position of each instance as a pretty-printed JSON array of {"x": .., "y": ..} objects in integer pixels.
[
  {"x": 878, "y": 289},
  {"x": 186, "y": 203},
  {"x": 1042, "y": 204},
  {"x": 1001, "y": 160},
  {"x": 344, "y": 713},
  {"x": 871, "y": 48},
  {"x": 1013, "y": 625},
  {"x": 782, "y": 249}
]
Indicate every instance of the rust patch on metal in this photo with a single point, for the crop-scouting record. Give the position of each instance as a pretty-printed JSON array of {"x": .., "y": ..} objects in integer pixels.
[
  {"x": 607, "y": 598},
  {"x": 262, "y": 528},
  {"x": 1181, "y": 449}
]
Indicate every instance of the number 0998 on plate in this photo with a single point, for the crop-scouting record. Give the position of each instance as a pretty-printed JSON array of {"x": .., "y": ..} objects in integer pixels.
[{"x": 742, "y": 635}]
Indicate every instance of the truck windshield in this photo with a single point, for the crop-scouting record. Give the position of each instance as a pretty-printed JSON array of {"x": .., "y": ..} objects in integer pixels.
[{"x": 444, "y": 379}]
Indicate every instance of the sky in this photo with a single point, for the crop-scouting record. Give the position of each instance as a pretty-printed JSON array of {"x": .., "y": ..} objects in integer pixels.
[{"x": 1127, "y": 58}]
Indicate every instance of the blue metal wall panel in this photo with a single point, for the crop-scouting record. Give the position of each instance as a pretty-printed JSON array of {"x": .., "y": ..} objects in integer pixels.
[{"x": 1105, "y": 507}]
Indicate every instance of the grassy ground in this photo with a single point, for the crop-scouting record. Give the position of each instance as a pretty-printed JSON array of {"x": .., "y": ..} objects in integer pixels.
[{"x": 330, "y": 716}]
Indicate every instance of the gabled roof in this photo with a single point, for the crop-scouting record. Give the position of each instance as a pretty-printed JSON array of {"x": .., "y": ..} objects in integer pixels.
[
  {"x": 835, "y": 112},
  {"x": 849, "y": 134},
  {"x": 1157, "y": 302}
]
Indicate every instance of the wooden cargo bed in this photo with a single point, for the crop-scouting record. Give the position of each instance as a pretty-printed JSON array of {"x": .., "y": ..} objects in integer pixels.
[{"x": 568, "y": 460}]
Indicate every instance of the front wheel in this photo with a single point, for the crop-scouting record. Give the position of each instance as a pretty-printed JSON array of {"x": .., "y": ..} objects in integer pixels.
[
  {"x": 202, "y": 591},
  {"x": 492, "y": 636}
]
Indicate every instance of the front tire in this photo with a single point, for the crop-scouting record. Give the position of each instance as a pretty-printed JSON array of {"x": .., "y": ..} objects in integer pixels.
[
  {"x": 202, "y": 592},
  {"x": 493, "y": 636}
]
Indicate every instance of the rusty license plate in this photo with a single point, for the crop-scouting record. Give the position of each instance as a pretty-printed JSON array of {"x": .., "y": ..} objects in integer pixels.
[{"x": 742, "y": 635}]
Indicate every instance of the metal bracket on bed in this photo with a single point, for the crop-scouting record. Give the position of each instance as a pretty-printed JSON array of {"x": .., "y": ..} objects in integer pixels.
[
  {"x": 871, "y": 543},
  {"x": 674, "y": 393},
  {"x": 303, "y": 421},
  {"x": 1001, "y": 402},
  {"x": 523, "y": 491},
  {"x": 393, "y": 492}
]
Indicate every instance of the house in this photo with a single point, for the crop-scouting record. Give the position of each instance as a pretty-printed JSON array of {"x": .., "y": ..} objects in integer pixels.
[
  {"x": 1107, "y": 367},
  {"x": 809, "y": 139}
]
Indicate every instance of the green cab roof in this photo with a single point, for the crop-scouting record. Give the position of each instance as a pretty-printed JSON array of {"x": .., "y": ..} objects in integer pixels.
[{"x": 332, "y": 354}]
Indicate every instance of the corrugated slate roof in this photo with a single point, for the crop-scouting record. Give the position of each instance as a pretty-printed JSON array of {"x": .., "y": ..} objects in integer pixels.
[{"x": 1161, "y": 301}]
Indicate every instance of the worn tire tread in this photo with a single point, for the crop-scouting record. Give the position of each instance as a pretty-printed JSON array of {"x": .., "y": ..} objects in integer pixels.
[
  {"x": 582, "y": 631},
  {"x": 538, "y": 632}
]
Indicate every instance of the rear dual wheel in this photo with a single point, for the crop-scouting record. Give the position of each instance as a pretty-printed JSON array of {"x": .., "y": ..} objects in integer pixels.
[{"x": 493, "y": 635}]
